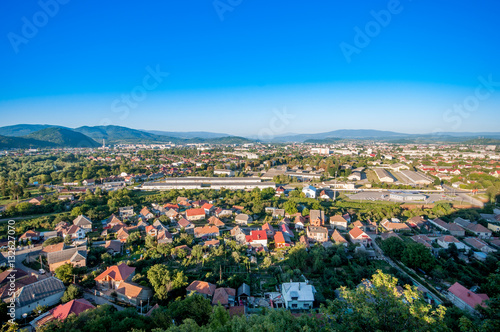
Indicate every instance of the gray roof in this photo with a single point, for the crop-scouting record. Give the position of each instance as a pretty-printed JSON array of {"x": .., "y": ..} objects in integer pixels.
[
  {"x": 39, "y": 290},
  {"x": 244, "y": 289},
  {"x": 81, "y": 220},
  {"x": 67, "y": 254}
]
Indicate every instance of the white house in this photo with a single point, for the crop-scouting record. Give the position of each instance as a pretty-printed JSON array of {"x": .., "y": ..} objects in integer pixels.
[
  {"x": 298, "y": 295},
  {"x": 45, "y": 292},
  {"x": 309, "y": 191},
  {"x": 447, "y": 240}
]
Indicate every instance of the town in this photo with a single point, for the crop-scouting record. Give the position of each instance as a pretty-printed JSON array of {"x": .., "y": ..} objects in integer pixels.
[{"x": 157, "y": 236}]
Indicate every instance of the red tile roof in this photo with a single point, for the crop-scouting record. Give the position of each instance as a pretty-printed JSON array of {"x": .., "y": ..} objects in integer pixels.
[
  {"x": 117, "y": 272},
  {"x": 76, "y": 307},
  {"x": 472, "y": 299},
  {"x": 279, "y": 238},
  {"x": 201, "y": 287},
  {"x": 195, "y": 212}
]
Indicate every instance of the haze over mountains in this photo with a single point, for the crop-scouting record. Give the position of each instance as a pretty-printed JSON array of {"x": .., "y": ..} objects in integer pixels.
[{"x": 38, "y": 135}]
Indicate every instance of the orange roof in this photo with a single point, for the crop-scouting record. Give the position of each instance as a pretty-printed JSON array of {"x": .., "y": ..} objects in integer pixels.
[
  {"x": 356, "y": 232},
  {"x": 53, "y": 248},
  {"x": 279, "y": 238},
  {"x": 200, "y": 231},
  {"x": 338, "y": 238},
  {"x": 117, "y": 272},
  {"x": 129, "y": 290},
  {"x": 201, "y": 287},
  {"x": 215, "y": 221},
  {"x": 195, "y": 212}
]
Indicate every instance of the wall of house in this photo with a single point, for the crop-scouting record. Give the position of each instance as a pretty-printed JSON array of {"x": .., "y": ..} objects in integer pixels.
[
  {"x": 296, "y": 304},
  {"x": 48, "y": 301}
]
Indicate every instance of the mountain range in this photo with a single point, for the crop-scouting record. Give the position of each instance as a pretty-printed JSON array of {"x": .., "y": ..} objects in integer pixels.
[{"x": 44, "y": 135}]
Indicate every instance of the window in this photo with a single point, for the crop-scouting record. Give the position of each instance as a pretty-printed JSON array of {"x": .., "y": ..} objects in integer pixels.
[{"x": 294, "y": 305}]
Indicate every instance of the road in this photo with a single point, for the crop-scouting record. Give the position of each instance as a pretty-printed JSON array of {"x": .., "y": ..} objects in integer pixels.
[{"x": 416, "y": 283}]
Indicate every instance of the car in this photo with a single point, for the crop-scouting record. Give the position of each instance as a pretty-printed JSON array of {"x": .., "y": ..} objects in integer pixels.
[{"x": 41, "y": 271}]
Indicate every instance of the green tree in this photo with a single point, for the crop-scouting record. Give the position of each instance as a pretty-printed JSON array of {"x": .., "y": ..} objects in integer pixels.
[
  {"x": 65, "y": 273},
  {"x": 416, "y": 255},
  {"x": 377, "y": 305},
  {"x": 393, "y": 247},
  {"x": 71, "y": 293},
  {"x": 164, "y": 281}
]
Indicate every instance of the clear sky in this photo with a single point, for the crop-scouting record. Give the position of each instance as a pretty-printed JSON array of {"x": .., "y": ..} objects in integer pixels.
[{"x": 252, "y": 66}]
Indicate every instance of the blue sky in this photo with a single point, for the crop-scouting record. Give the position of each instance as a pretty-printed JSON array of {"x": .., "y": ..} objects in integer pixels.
[{"x": 233, "y": 65}]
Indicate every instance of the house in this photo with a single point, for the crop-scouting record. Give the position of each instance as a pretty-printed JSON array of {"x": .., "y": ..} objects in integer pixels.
[
  {"x": 337, "y": 238},
  {"x": 287, "y": 232},
  {"x": 16, "y": 279},
  {"x": 452, "y": 228},
  {"x": 75, "y": 232},
  {"x": 423, "y": 239},
  {"x": 172, "y": 214},
  {"x": 170, "y": 206},
  {"x": 357, "y": 235},
  {"x": 213, "y": 220},
  {"x": 77, "y": 257},
  {"x": 418, "y": 222},
  {"x": 479, "y": 244},
  {"x": 304, "y": 240},
  {"x": 221, "y": 213},
  {"x": 45, "y": 292},
  {"x": 62, "y": 311},
  {"x": 243, "y": 292},
  {"x": 226, "y": 172},
  {"x": 317, "y": 233},
  {"x": 278, "y": 213},
  {"x": 206, "y": 231},
  {"x": 326, "y": 194},
  {"x": 224, "y": 296},
  {"x": 338, "y": 222},
  {"x": 462, "y": 222},
  {"x": 30, "y": 236},
  {"x": 446, "y": 240},
  {"x": 133, "y": 293},
  {"x": 269, "y": 229},
  {"x": 317, "y": 218},
  {"x": 36, "y": 200},
  {"x": 466, "y": 299},
  {"x": 211, "y": 243},
  {"x": 146, "y": 214},
  {"x": 52, "y": 248},
  {"x": 395, "y": 226},
  {"x": 479, "y": 230},
  {"x": 83, "y": 222},
  {"x": 309, "y": 191},
  {"x": 126, "y": 212},
  {"x": 187, "y": 225},
  {"x": 195, "y": 214},
  {"x": 243, "y": 219},
  {"x": 209, "y": 208},
  {"x": 279, "y": 240},
  {"x": 238, "y": 234},
  {"x": 202, "y": 288},
  {"x": 299, "y": 222},
  {"x": 114, "y": 276},
  {"x": 257, "y": 238},
  {"x": 113, "y": 247},
  {"x": 298, "y": 295},
  {"x": 88, "y": 182}
]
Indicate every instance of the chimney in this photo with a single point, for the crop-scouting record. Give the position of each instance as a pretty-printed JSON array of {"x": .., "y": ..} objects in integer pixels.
[{"x": 468, "y": 294}]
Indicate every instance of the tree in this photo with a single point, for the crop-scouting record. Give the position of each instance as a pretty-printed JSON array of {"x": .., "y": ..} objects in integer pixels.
[
  {"x": 393, "y": 247},
  {"x": 67, "y": 239},
  {"x": 164, "y": 281},
  {"x": 52, "y": 240},
  {"x": 377, "y": 305},
  {"x": 134, "y": 238},
  {"x": 290, "y": 207},
  {"x": 195, "y": 307},
  {"x": 416, "y": 255},
  {"x": 65, "y": 273},
  {"x": 71, "y": 293}
]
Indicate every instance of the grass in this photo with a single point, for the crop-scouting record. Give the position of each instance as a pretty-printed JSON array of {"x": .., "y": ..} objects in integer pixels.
[{"x": 371, "y": 176}]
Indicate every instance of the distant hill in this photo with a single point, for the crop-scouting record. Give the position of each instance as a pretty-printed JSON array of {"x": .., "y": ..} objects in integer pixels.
[
  {"x": 24, "y": 129},
  {"x": 342, "y": 134},
  {"x": 117, "y": 134},
  {"x": 187, "y": 134},
  {"x": 483, "y": 141},
  {"x": 328, "y": 140},
  {"x": 63, "y": 138},
  {"x": 222, "y": 140},
  {"x": 23, "y": 143}
]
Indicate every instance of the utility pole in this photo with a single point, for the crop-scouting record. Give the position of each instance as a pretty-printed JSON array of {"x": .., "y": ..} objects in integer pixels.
[{"x": 335, "y": 187}]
